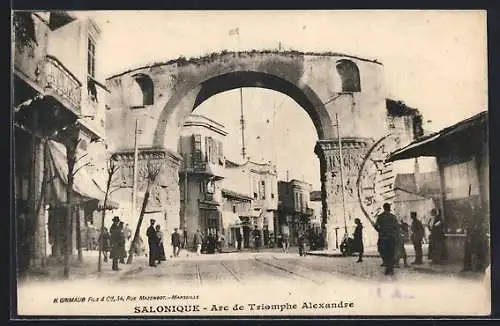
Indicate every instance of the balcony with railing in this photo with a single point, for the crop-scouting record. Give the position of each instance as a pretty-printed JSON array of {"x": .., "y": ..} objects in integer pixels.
[
  {"x": 200, "y": 165},
  {"x": 62, "y": 84},
  {"x": 41, "y": 72}
]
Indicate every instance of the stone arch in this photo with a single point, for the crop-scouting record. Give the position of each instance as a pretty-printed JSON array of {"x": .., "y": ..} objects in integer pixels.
[{"x": 304, "y": 96}]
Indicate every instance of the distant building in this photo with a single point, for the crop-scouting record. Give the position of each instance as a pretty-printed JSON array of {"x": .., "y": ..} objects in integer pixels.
[
  {"x": 250, "y": 199},
  {"x": 463, "y": 160},
  {"x": 293, "y": 208},
  {"x": 201, "y": 147},
  {"x": 416, "y": 193},
  {"x": 316, "y": 205}
]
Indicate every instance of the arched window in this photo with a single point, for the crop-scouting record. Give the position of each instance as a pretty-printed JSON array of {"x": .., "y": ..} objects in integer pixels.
[
  {"x": 349, "y": 76},
  {"x": 142, "y": 92}
]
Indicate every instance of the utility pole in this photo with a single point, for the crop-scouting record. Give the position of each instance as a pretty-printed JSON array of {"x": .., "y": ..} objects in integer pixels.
[
  {"x": 134, "y": 178},
  {"x": 185, "y": 188},
  {"x": 242, "y": 122},
  {"x": 341, "y": 170}
]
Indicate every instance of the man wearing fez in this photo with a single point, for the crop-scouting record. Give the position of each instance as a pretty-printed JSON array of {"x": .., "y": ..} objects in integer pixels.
[
  {"x": 388, "y": 229},
  {"x": 153, "y": 243},
  {"x": 115, "y": 237}
]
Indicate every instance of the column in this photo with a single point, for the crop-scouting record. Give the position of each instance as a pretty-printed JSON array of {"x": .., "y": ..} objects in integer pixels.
[{"x": 353, "y": 154}]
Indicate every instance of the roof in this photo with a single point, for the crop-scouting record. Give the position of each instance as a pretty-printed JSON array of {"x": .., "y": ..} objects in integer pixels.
[
  {"x": 205, "y": 58},
  {"x": 406, "y": 182},
  {"x": 234, "y": 194},
  {"x": 203, "y": 121},
  {"x": 399, "y": 108},
  {"x": 429, "y": 145},
  {"x": 421, "y": 185},
  {"x": 263, "y": 167},
  {"x": 429, "y": 184}
]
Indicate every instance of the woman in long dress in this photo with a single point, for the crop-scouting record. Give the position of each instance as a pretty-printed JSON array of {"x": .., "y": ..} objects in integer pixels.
[
  {"x": 358, "y": 240},
  {"x": 161, "y": 249}
]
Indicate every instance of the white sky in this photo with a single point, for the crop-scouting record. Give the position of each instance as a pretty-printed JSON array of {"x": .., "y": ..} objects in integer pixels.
[{"x": 434, "y": 60}]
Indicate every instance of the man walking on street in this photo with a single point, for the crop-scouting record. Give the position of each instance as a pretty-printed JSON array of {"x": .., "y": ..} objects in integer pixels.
[
  {"x": 115, "y": 237},
  {"x": 388, "y": 229},
  {"x": 176, "y": 242},
  {"x": 198, "y": 240},
  {"x": 417, "y": 235},
  {"x": 153, "y": 243}
]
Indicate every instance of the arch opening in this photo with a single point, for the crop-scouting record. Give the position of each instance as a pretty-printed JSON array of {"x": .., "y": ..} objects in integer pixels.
[
  {"x": 349, "y": 76},
  {"x": 304, "y": 97},
  {"x": 143, "y": 91}
]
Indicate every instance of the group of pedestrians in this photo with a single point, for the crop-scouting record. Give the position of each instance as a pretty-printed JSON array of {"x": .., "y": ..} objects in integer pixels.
[
  {"x": 156, "y": 240},
  {"x": 114, "y": 241},
  {"x": 392, "y": 236}
]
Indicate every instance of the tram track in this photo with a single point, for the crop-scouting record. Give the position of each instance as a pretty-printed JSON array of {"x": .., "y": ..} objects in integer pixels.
[
  {"x": 198, "y": 274},
  {"x": 287, "y": 270},
  {"x": 232, "y": 272}
]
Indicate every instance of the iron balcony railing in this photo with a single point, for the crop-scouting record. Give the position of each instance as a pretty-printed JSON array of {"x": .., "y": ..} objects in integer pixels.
[{"x": 62, "y": 82}]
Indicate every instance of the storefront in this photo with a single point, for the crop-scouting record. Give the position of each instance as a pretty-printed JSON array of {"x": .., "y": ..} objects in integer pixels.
[
  {"x": 88, "y": 197},
  {"x": 462, "y": 155}
]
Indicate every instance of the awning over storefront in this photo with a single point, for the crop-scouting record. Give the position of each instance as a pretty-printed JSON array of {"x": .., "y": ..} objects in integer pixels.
[
  {"x": 431, "y": 145},
  {"x": 85, "y": 187}
]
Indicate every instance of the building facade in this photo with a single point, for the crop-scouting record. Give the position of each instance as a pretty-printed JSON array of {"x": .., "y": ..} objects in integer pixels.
[
  {"x": 201, "y": 146},
  {"x": 315, "y": 204},
  {"x": 462, "y": 156},
  {"x": 294, "y": 208},
  {"x": 257, "y": 183},
  {"x": 236, "y": 212},
  {"x": 54, "y": 71},
  {"x": 416, "y": 193}
]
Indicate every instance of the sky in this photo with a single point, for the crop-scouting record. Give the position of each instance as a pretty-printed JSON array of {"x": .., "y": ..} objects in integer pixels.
[{"x": 435, "y": 61}]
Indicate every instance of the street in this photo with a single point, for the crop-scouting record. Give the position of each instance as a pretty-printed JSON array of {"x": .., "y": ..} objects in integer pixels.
[
  {"x": 263, "y": 277},
  {"x": 247, "y": 267}
]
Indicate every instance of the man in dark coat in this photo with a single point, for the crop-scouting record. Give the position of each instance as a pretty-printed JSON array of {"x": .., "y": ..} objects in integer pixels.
[
  {"x": 388, "y": 229},
  {"x": 358, "y": 239},
  {"x": 301, "y": 242},
  {"x": 176, "y": 242},
  {"x": 238, "y": 238},
  {"x": 115, "y": 238},
  {"x": 256, "y": 238},
  {"x": 153, "y": 243},
  {"x": 417, "y": 235}
]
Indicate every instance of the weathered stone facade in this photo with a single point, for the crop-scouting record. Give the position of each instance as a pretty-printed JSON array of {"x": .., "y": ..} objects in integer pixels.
[
  {"x": 164, "y": 199},
  {"x": 316, "y": 81},
  {"x": 353, "y": 154}
]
